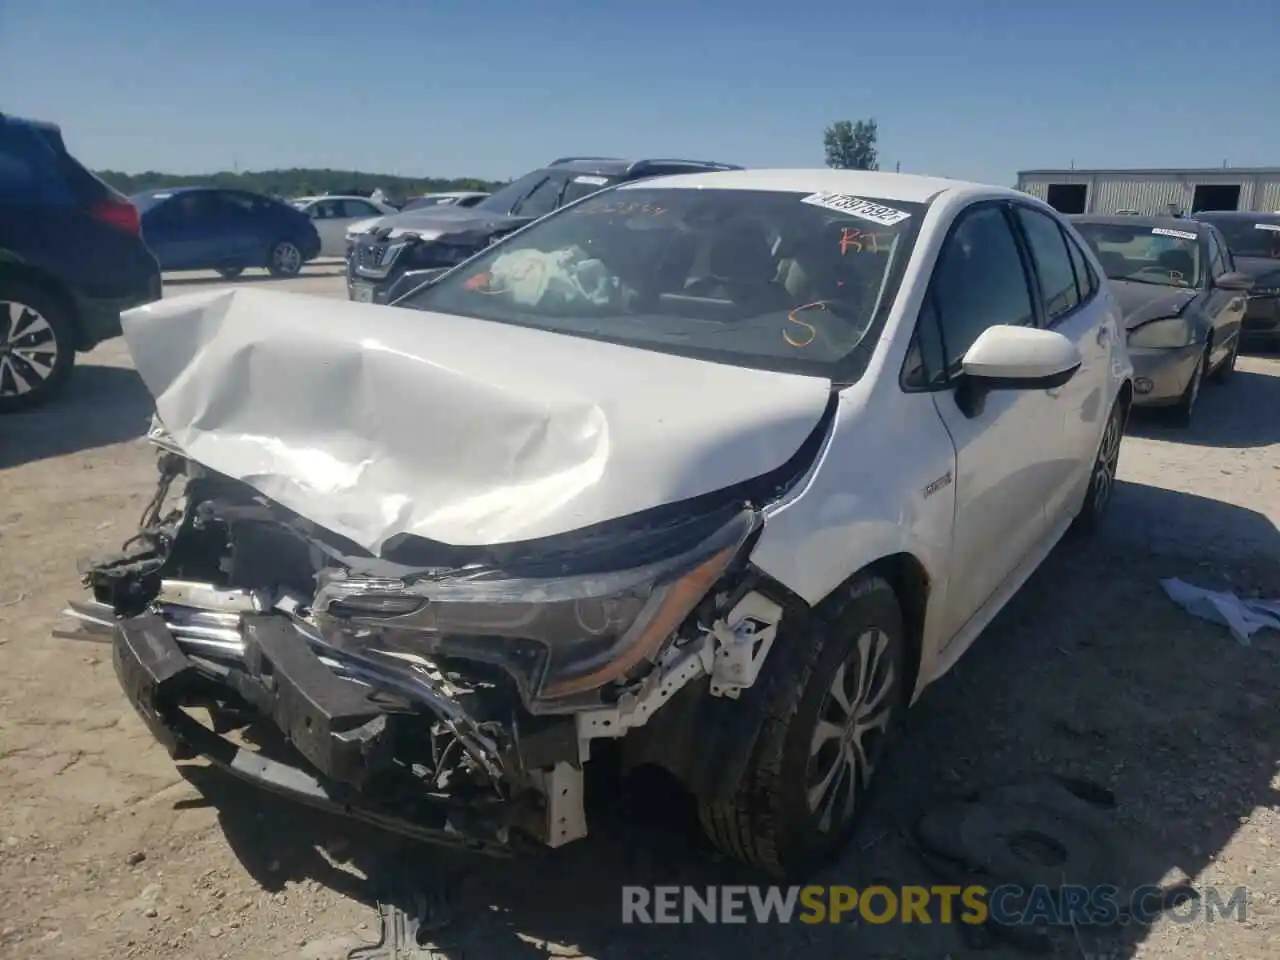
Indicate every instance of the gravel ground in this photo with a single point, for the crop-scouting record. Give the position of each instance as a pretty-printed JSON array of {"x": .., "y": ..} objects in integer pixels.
[{"x": 107, "y": 850}]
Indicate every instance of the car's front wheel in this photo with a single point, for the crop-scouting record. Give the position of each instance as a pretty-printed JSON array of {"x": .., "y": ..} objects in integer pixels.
[
  {"x": 1102, "y": 478},
  {"x": 841, "y": 697},
  {"x": 1185, "y": 409},
  {"x": 285, "y": 259},
  {"x": 37, "y": 346},
  {"x": 1228, "y": 366}
]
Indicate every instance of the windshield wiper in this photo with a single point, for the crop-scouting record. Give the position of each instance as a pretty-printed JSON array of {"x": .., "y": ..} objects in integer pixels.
[{"x": 1153, "y": 283}]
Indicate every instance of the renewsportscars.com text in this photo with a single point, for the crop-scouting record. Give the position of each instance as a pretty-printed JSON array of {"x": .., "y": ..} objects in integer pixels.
[{"x": 1004, "y": 905}]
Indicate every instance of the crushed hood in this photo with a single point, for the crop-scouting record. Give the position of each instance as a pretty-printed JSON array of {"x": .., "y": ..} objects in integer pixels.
[
  {"x": 1141, "y": 302},
  {"x": 376, "y": 422}
]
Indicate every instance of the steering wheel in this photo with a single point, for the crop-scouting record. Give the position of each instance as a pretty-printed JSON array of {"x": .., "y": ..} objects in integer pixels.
[{"x": 1164, "y": 272}]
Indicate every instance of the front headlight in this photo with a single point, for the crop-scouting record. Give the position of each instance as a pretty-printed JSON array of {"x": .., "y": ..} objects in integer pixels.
[
  {"x": 557, "y": 636},
  {"x": 1163, "y": 334},
  {"x": 440, "y": 254}
]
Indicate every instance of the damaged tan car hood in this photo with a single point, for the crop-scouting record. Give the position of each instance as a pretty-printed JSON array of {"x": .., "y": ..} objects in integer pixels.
[{"x": 376, "y": 421}]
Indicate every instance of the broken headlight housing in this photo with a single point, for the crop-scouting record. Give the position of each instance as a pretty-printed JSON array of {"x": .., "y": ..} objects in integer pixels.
[{"x": 558, "y": 637}]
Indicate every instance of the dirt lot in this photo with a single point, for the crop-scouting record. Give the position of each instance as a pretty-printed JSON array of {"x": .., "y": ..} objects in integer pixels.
[{"x": 107, "y": 850}]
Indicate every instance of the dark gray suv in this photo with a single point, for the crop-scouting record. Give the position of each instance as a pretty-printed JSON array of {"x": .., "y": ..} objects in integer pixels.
[
  {"x": 1254, "y": 241},
  {"x": 443, "y": 236}
]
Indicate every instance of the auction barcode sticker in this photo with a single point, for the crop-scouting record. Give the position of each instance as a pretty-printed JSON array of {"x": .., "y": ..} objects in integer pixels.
[
  {"x": 857, "y": 207},
  {"x": 1166, "y": 232}
]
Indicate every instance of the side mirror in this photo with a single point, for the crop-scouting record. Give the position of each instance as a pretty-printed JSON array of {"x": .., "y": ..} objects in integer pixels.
[
  {"x": 1234, "y": 281},
  {"x": 1014, "y": 358}
]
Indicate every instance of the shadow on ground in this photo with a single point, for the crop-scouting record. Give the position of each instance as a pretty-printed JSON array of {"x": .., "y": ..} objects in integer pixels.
[
  {"x": 1091, "y": 672},
  {"x": 100, "y": 405},
  {"x": 1239, "y": 413}
]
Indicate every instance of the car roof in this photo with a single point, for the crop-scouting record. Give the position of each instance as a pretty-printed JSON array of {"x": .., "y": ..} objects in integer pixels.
[
  {"x": 333, "y": 196},
  {"x": 1127, "y": 219},
  {"x": 166, "y": 191},
  {"x": 903, "y": 187},
  {"x": 1238, "y": 215},
  {"x": 618, "y": 167}
]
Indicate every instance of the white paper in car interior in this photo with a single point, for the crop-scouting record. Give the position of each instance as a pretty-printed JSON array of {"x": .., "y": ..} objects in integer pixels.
[{"x": 374, "y": 421}]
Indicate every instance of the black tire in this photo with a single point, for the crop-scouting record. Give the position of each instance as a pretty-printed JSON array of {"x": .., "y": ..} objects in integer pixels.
[
  {"x": 37, "y": 345},
  {"x": 770, "y": 823},
  {"x": 1102, "y": 478},
  {"x": 1228, "y": 365},
  {"x": 1184, "y": 412},
  {"x": 284, "y": 259},
  {"x": 230, "y": 273}
]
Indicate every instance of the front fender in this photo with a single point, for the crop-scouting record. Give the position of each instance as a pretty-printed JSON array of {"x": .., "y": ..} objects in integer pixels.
[{"x": 881, "y": 485}]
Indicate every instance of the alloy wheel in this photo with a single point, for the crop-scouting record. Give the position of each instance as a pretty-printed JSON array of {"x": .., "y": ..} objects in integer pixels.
[
  {"x": 286, "y": 257},
  {"x": 853, "y": 718},
  {"x": 1193, "y": 388},
  {"x": 1104, "y": 468},
  {"x": 28, "y": 349}
]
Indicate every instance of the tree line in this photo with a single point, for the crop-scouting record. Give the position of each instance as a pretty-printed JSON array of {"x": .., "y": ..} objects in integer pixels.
[
  {"x": 848, "y": 146},
  {"x": 296, "y": 182}
]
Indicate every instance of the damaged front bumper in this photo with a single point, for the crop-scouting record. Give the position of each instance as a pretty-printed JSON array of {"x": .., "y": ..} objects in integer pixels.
[{"x": 399, "y": 704}]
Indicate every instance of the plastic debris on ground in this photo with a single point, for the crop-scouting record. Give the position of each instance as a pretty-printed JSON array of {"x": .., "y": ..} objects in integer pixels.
[{"x": 1244, "y": 617}]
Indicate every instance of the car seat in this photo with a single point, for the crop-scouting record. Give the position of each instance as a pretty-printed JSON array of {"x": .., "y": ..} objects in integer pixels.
[
  {"x": 1113, "y": 264},
  {"x": 741, "y": 267}
]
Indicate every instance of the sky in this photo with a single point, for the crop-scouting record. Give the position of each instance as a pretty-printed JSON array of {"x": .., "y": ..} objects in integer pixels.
[{"x": 965, "y": 89}]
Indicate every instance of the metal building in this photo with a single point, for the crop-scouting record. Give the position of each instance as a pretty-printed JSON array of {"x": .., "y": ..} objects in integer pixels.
[{"x": 1155, "y": 191}]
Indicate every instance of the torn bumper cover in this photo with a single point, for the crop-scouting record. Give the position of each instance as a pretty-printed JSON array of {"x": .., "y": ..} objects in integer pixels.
[
  {"x": 346, "y": 735},
  {"x": 343, "y": 737},
  {"x": 457, "y": 708}
]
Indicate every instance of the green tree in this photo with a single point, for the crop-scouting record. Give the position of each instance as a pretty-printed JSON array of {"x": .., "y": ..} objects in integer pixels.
[{"x": 851, "y": 146}]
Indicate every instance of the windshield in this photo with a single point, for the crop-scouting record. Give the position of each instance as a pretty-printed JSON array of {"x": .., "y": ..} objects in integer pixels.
[
  {"x": 1258, "y": 237},
  {"x": 502, "y": 200},
  {"x": 1163, "y": 256},
  {"x": 777, "y": 280}
]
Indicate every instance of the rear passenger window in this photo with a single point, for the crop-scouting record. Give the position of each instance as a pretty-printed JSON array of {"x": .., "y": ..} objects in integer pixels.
[
  {"x": 1053, "y": 263},
  {"x": 1086, "y": 279},
  {"x": 28, "y": 168},
  {"x": 979, "y": 282}
]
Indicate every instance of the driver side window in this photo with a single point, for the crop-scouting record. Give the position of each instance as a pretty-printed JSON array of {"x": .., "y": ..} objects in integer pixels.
[{"x": 979, "y": 282}]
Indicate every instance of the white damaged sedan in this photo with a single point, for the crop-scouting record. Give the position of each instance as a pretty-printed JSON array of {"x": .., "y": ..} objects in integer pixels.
[{"x": 716, "y": 472}]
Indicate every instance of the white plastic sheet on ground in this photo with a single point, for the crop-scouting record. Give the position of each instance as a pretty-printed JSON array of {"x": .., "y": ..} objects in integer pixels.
[{"x": 1243, "y": 617}]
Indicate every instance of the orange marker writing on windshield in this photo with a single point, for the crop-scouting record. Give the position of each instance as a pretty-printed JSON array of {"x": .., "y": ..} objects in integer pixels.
[{"x": 810, "y": 332}]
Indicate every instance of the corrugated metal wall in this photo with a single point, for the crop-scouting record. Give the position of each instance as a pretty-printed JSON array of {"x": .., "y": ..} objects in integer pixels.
[
  {"x": 1269, "y": 196},
  {"x": 1109, "y": 192}
]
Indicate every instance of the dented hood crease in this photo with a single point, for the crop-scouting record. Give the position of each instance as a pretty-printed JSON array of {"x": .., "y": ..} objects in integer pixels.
[
  {"x": 377, "y": 422},
  {"x": 1143, "y": 302}
]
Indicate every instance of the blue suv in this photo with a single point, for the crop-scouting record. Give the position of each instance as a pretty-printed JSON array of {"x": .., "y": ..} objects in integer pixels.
[{"x": 71, "y": 259}]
